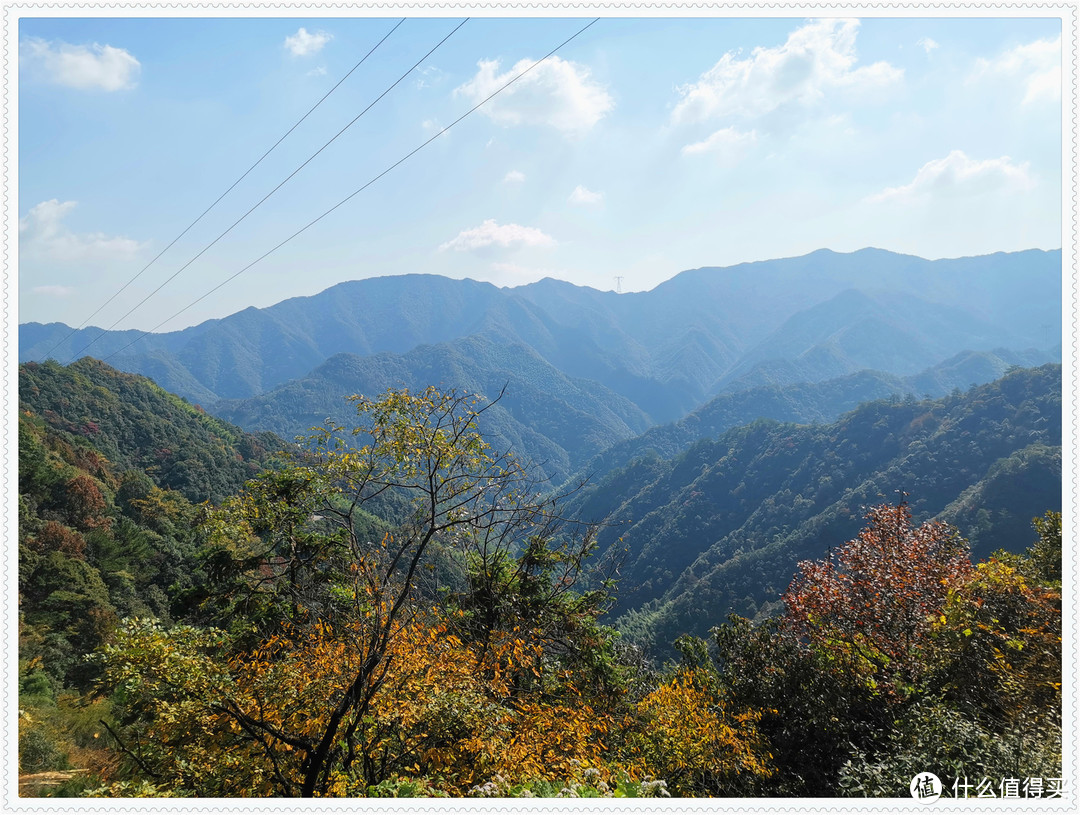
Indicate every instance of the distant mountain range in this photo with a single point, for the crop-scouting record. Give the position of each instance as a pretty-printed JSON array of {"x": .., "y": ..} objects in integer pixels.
[
  {"x": 584, "y": 370},
  {"x": 667, "y": 350},
  {"x": 572, "y": 429}
]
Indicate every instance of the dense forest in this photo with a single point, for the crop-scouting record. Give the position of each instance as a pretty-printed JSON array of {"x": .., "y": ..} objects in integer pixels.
[
  {"x": 400, "y": 606},
  {"x": 720, "y": 527}
]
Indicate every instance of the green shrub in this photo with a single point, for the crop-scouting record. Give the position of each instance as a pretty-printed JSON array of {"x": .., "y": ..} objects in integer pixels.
[{"x": 39, "y": 750}]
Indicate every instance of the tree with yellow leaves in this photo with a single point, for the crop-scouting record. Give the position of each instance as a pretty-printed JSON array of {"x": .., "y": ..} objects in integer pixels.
[
  {"x": 689, "y": 737},
  {"x": 325, "y": 625}
]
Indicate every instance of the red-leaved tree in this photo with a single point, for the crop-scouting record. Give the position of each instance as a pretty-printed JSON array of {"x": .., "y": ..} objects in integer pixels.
[{"x": 870, "y": 606}]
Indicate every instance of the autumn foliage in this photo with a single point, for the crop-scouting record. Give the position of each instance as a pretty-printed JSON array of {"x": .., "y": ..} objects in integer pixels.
[
  {"x": 400, "y": 609},
  {"x": 871, "y": 604},
  {"x": 494, "y": 690},
  {"x": 688, "y": 735},
  {"x": 897, "y": 655}
]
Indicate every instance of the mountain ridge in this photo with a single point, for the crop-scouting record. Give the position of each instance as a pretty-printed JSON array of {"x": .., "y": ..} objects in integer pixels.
[
  {"x": 667, "y": 350},
  {"x": 720, "y": 526},
  {"x": 551, "y": 419}
]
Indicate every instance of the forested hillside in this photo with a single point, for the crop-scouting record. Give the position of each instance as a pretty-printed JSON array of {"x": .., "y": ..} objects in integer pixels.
[
  {"x": 112, "y": 472},
  {"x": 136, "y": 425},
  {"x": 407, "y": 610},
  {"x": 720, "y": 527},
  {"x": 804, "y": 402},
  {"x": 547, "y": 417}
]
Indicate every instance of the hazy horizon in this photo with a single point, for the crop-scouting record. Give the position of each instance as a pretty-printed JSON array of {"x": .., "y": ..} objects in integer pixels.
[{"x": 241, "y": 307}]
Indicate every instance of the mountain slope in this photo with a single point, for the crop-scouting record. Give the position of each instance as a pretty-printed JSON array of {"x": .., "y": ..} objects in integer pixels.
[
  {"x": 805, "y": 402},
  {"x": 135, "y": 425},
  {"x": 112, "y": 473},
  {"x": 721, "y": 526},
  {"x": 857, "y": 330},
  {"x": 545, "y": 416}
]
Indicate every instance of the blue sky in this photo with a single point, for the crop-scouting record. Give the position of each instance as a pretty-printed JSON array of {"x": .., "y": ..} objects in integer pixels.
[{"x": 645, "y": 147}]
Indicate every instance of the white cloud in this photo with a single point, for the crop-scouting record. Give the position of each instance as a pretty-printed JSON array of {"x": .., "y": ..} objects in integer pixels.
[
  {"x": 556, "y": 92},
  {"x": 303, "y": 43},
  {"x": 53, "y": 291},
  {"x": 817, "y": 60},
  {"x": 514, "y": 177},
  {"x": 956, "y": 175},
  {"x": 428, "y": 76},
  {"x": 728, "y": 144},
  {"x": 43, "y": 236},
  {"x": 1036, "y": 65},
  {"x": 490, "y": 234},
  {"x": 928, "y": 45},
  {"x": 320, "y": 71},
  {"x": 86, "y": 67},
  {"x": 587, "y": 197}
]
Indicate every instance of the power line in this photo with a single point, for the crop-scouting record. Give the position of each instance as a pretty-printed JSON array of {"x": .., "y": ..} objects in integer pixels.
[
  {"x": 265, "y": 197},
  {"x": 352, "y": 195},
  {"x": 230, "y": 189}
]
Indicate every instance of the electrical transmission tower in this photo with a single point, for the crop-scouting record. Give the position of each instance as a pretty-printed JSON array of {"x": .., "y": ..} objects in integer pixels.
[{"x": 618, "y": 284}]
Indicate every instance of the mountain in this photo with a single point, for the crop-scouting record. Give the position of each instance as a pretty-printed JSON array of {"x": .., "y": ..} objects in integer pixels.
[
  {"x": 666, "y": 350},
  {"x": 130, "y": 423},
  {"x": 112, "y": 473},
  {"x": 720, "y": 527},
  {"x": 805, "y": 402},
  {"x": 552, "y": 420},
  {"x": 257, "y": 349},
  {"x": 856, "y": 330}
]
